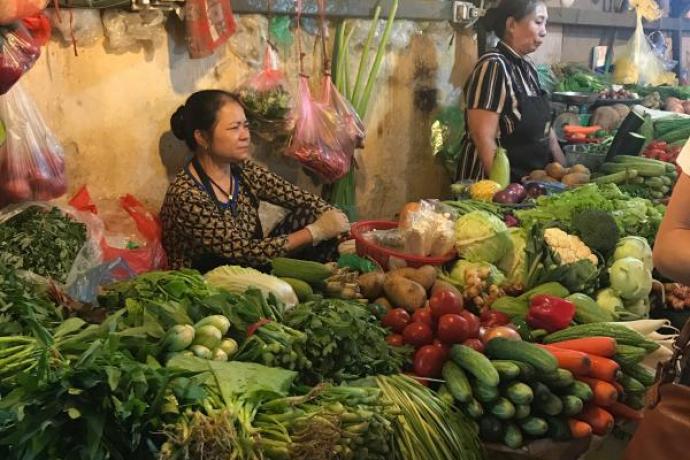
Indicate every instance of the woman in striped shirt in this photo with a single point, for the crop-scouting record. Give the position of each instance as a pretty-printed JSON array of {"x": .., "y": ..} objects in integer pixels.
[{"x": 504, "y": 103}]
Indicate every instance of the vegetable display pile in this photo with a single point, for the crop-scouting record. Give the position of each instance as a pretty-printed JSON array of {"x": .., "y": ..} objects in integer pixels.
[{"x": 42, "y": 240}]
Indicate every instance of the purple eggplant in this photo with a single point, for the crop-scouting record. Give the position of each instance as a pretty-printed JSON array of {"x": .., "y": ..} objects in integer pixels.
[
  {"x": 535, "y": 189},
  {"x": 511, "y": 220},
  {"x": 505, "y": 197},
  {"x": 518, "y": 190}
]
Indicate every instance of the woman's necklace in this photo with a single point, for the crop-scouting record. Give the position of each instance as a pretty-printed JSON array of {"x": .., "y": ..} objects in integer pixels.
[{"x": 228, "y": 194}]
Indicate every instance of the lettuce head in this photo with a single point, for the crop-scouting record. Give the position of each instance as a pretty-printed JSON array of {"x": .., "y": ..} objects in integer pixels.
[{"x": 481, "y": 237}]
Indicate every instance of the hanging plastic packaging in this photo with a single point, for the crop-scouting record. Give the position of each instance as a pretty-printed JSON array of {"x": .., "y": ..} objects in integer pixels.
[
  {"x": 351, "y": 130},
  {"x": 209, "y": 24},
  {"x": 32, "y": 165},
  {"x": 18, "y": 53},
  {"x": 14, "y": 10},
  {"x": 83, "y": 24},
  {"x": 130, "y": 231},
  {"x": 39, "y": 27},
  {"x": 267, "y": 101},
  {"x": 639, "y": 65}
]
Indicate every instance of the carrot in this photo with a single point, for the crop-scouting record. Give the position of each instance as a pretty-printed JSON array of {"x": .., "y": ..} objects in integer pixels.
[
  {"x": 599, "y": 419},
  {"x": 575, "y": 361},
  {"x": 604, "y": 392},
  {"x": 619, "y": 388},
  {"x": 599, "y": 346},
  {"x": 621, "y": 410},
  {"x": 579, "y": 429},
  {"x": 573, "y": 129},
  {"x": 604, "y": 368}
]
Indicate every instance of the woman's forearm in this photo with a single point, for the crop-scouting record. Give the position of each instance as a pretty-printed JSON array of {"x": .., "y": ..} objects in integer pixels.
[
  {"x": 672, "y": 254},
  {"x": 299, "y": 239},
  {"x": 556, "y": 151},
  {"x": 486, "y": 149}
]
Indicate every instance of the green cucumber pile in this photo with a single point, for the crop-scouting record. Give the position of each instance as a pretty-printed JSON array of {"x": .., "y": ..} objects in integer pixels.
[{"x": 639, "y": 176}]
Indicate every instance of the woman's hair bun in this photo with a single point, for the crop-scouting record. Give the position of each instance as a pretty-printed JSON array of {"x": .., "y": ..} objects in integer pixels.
[
  {"x": 490, "y": 18},
  {"x": 177, "y": 123}
]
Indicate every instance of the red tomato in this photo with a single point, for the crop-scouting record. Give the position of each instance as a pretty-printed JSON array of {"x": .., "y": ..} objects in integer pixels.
[
  {"x": 428, "y": 361},
  {"x": 453, "y": 329},
  {"x": 423, "y": 315},
  {"x": 396, "y": 319},
  {"x": 472, "y": 321},
  {"x": 442, "y": 346},
  {"x": 418, "y": 334},
  {"x": 493, "y": 318},
  {"x": 474, "y": 343},
  {"x": 395, "y": 340},
  {"x": 445, "y": 303},
  {"x": 501, "y": 331}
]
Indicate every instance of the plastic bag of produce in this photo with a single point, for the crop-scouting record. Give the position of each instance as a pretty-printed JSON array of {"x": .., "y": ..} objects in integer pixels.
[
  {"x": 316, "y": 143},
  {"x": 14, "y": 10},
  {"x": 267, "y": 101},
  {"x": 209, "y": 24},
  {"x": 86, "y": 287},
  {"x": 32, "y": 163},
  {"x": 18, "y": 53},
  {"x": 130, "y": 231},
  {"x": 352, "y": 130},
  {"x": 638, "y": 64}
]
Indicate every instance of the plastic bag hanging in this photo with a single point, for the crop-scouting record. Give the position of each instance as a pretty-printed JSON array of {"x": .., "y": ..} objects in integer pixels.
[
  {"x": 18, "y": 53},
  {"x": 209, "y": 24},
  {"x": 14, "y": 10},
  {"x": 32, "y": 162},
  {"x": 352, "y": 131},
  {"x": 267, "y": 101}
]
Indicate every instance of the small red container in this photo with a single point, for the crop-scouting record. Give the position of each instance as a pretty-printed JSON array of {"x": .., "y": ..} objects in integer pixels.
[{"x": 382, "y": 254}]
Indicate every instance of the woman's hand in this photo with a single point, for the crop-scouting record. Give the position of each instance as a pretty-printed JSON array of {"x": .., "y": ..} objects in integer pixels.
[
  {"x": 483, "y": 128},
  {"x": 329, "y": 225}
]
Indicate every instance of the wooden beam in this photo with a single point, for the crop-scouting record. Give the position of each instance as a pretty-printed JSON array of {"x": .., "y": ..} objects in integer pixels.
[
  {"x": 626, "y": 20},
  {"x": 414, "y": 10}
]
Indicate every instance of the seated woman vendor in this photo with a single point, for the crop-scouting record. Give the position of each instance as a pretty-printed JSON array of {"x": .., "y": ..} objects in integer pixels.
[
  {"x": 210, "y": 215},
  {"x": 505, "y": 105}
]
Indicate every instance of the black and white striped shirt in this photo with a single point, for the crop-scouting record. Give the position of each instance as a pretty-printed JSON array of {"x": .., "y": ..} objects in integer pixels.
[{"x": 499, "y": 77}]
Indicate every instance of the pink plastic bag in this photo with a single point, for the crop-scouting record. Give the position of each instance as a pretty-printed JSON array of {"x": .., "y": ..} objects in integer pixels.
[
  {"x": 317, "y": 142},
  {"x": 130, "y": 231},
  {"x": 351, "y": 129},
  {"x": 18, "y": 53},
  {"x": 209, "y": 24},
  {"x": 32, "y": 165},
  {"x": 267, "y": 101},
  {"x": 14, "y": 10}
]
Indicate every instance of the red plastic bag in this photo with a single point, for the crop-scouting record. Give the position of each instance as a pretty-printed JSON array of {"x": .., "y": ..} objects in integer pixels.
[
  {"x": 32, "y": 165},
  {"x": 18, "y": 53},
  {"x": 39, "y": 27},
  {"x": 318, "y": 139},
  {"x": 209, "y": 24},
  {"x": 267, "y": 101},
  {"x": 14, "y": 10},
  {"x": 130, "y": 231}
]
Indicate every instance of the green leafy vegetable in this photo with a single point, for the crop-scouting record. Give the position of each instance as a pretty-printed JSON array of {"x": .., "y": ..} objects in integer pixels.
[{"x": 481, "y": 237}]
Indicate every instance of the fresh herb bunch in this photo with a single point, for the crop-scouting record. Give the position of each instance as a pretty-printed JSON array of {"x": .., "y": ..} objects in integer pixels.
[
  {"x": 44, "y": 241},
  {"x": 344, "y": 341},
  {"x": 268, "y": 113}
]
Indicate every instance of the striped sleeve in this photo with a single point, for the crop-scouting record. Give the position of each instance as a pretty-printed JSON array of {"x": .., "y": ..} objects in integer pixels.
[{"x": 487, "y": 86}]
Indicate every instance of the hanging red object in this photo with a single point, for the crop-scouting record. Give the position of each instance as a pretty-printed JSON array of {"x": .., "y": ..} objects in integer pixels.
[
  {"x": 14, "y": 10},
  {"x": 39, "y": 27},
  {"x": 209, "y": 24}
]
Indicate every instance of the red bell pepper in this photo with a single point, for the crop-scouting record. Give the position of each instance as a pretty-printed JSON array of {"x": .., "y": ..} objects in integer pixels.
[{"x": 550, "y": 313}]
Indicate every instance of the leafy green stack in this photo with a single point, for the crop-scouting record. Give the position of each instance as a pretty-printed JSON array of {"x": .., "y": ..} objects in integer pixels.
[{"x": 41, "y": 240}]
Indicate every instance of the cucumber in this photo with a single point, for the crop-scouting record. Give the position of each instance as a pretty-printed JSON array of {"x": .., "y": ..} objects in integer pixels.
[
  {"x": 445, "y": 395},
  {"x": 475, "y": 363},
  {"x": 512, "y": 436},
  {"x": 503, "y": 409},
  {"x": 522, "y": 411},
  {"x": 572, "y": 405},
  {"x": 588, "y": 311},
  {"x": 534, "y": 426},
  {"x": 456, "y": 382},
  {"x": 636, "y": 401},
  {"x": 558, "y": 428},
  {"x": 616, "y": 177},
  {"x": 551, "y": 406},
  {"x": 484, "y": 393},
  {"x": 507, "y": 370},
  {"x": 631, "y": 384},
  {"x": 305, "y": 270},
  {"x": 541, "y": 392},
  {"x": 527, "y": 372},
  {"x": 562, "y": 378},
  {"x": 511, "y": 306},
  {"x": 542, "y": 360},
  {"x": 629, "y": 355},
  {"x": 490, "y": 428},
  {"x": 473, "y": 408},
  {"x": 519, "y": 393},
  {"x": 581, "y": 390},
  {"x": 639, "y": 373},
  {"x": 302, "y": 289},
  {"x": 622, "y": 334}
]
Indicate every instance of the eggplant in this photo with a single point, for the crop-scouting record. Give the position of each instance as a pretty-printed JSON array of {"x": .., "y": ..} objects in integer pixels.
[
  {"x": 535, "y": 189},
  {"x": 505, "y": 197},
  {"x": 518, "y": 190}
]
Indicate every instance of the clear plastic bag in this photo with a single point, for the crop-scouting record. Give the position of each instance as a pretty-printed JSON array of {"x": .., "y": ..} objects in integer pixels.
[
  {"x": 18, "y": 53},
  {"x": 316, "y": 143},
  {"x": 130, "y": 231},
  {"x": 14, "y": 10},
  {"x": 32, "y": 165},
  {"x": 638, "y": 64},
  {"x": 267, "y": 101},
  {"x": 429, "y": 232},
  {"x": 129, "y": 31},
  {"x": 209, "y": 24},
  {"x": 39, "y": 28},
  {"x": 86, "y": 287},
  {"x": 84, "y": 25},
  {"x": 351, "y": 129}
]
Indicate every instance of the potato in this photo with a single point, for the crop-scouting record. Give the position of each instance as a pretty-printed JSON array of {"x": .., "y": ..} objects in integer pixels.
[
  {"x": 441, "y": 285},
  {"x": 404, "y": 293},
  {"x": 384, "y": 303},
  {"x": 371, "y": 284},
  {"x": 537, "y": 174},
  {"x": 575, "y": 179},
  {"x": 579, "y": 168},
  {"x": 622, "y": 109},
  {"x": 606, "y": 117},
  {"x": 425, "y": 275},
  {"x": 555, "y": 170}
]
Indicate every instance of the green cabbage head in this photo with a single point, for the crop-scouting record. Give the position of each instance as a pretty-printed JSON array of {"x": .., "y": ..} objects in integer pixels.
[
  {"x": 514, "y": 263},
  {"x": 481, "y": 237}
]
